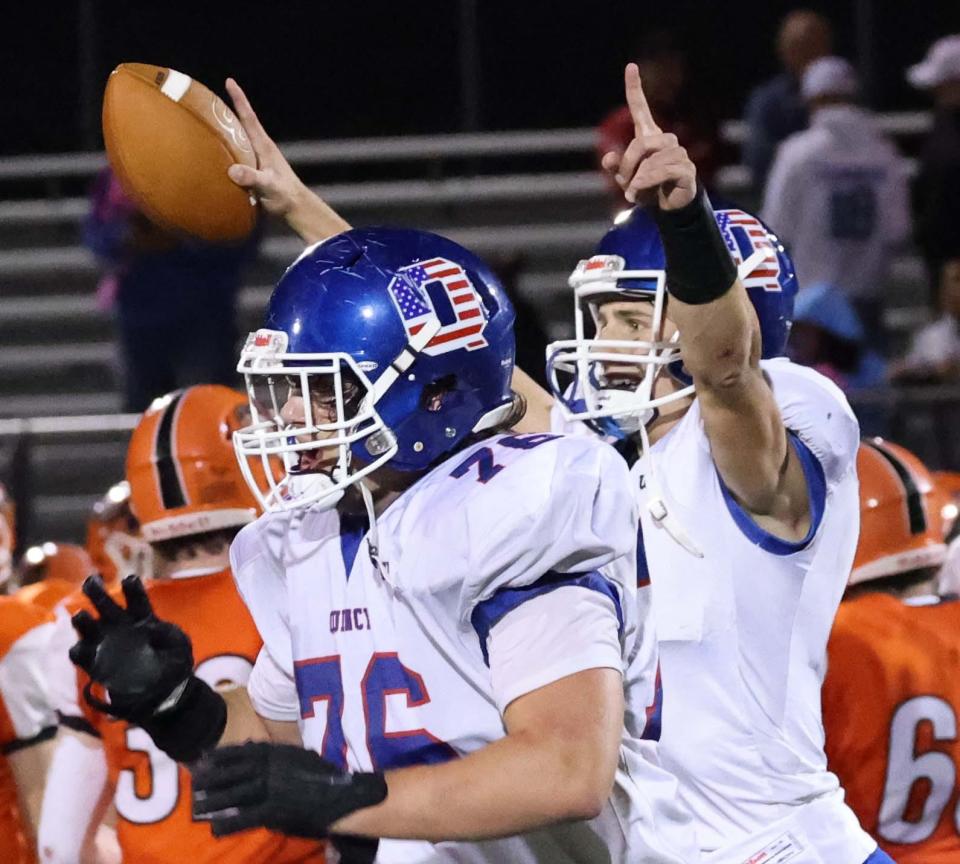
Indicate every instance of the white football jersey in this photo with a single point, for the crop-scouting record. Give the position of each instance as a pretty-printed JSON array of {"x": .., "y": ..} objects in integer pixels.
[
  {"x": 404, "y": 654},
  {"x": 743, "y": 631}
]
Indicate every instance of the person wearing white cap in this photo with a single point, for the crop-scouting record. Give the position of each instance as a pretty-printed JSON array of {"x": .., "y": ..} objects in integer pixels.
[
  {"x": 938, "y": 181},
  {"x": 837, "y": 194}
]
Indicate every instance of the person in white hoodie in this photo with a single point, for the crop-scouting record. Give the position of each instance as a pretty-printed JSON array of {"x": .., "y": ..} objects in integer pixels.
[{"x": 838, "y": 195}]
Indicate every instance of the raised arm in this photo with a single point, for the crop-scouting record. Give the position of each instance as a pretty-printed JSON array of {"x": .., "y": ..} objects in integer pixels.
[
  {"x": 719, "y": 333},
  {"x": 281, "y": 192}
]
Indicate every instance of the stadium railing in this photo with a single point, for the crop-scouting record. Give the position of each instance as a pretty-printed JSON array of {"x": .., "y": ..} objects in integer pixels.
[
  {"x": 535, "y": 193},
  {"x": 914, "y": 416}
]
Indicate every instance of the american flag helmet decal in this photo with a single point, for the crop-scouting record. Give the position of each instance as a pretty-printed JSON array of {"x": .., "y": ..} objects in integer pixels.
[
  {"x": 418, "y": 287},
  {"x": 743, "y": 235}
]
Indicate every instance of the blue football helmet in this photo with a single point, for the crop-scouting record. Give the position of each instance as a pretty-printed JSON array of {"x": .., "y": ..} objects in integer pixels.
[
  {"x": 393, "y": 346},
  {"x": 629, "y": 264}
]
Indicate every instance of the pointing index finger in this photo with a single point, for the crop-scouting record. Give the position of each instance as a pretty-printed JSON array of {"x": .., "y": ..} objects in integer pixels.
[{"x": 643, "y": 122}]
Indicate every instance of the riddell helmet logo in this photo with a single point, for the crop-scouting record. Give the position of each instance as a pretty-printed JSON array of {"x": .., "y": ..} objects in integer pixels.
[{"x": 440, "y": 288}]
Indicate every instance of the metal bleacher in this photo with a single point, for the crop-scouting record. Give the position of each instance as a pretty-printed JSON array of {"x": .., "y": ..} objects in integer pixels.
[{"x": 528, "y": 195}]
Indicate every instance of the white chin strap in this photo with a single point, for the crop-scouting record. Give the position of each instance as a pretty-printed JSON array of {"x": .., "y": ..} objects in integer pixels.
[
  {"x": 373, "y": 538},
  {"x": 662, "y": 517}
]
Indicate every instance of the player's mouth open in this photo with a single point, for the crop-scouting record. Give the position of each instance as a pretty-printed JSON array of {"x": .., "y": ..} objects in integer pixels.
[
  {"x": 621, "y": 378},
  {"x": 314, "y": 463}
]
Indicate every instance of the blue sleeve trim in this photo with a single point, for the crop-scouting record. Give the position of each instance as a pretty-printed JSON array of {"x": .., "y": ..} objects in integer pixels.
[
  {"x": 816, "y": 489},
  {"x": 488, "y": 612}
]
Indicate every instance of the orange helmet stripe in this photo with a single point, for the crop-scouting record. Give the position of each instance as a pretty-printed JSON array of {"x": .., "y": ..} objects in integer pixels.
[
  {"x": 916, "y": 515},
  {"x": 173, "y": 492}
]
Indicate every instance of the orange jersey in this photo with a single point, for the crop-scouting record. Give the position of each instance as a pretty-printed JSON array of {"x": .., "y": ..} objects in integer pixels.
[
  {"x": 24, "y": 715},
  {"x": 891, "y": 701},
  {"x": 47, "y": 593},
  {"x": 152, "y": 797}
]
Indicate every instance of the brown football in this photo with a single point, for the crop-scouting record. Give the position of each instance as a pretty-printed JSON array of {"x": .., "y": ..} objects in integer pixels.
[{"x": 170, "y": 141}]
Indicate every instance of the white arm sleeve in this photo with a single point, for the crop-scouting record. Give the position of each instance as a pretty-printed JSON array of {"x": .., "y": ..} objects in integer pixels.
[
  {"x": 272, "y": 689},
  {"x": 549, "y": 637},
  {"x": 61, "y": 674},
  {"x": 23, "y": 683},
  {"x": 75, "y": 781}
]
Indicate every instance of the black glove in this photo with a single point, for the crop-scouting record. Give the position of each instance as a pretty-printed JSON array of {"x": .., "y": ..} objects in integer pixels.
[
  {"x": 280, "y": 787},
  {"x": 146, "y": 666}
]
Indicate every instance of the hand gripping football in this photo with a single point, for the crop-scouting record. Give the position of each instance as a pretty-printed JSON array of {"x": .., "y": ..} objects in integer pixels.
[{"x": 170, "y": 141}]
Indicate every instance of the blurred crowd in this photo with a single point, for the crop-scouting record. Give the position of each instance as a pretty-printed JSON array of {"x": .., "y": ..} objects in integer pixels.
[
  {"x": 838, "y": 193},
  {"x": 833, "y": 187}
]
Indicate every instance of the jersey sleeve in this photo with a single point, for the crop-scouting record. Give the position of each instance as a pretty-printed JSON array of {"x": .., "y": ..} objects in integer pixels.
[
  {"x": 68, "y": 805},
  {"x": 273, "y": 689},
  {"x": 564, "y": 516},
  {"x": 24, "y": 697},
  {"x": 549, "y": 637},
  {"x": 60, "y": 672},
  {"x": 257, "y": 565},
  {"x": 816, "y": 411}
]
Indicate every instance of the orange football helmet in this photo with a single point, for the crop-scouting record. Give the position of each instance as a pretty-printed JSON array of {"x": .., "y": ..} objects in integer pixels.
[
  {"x": 51, "y": 571},
  {"x": 901, "y": 527},
  {"x": 8, "y": 535},
  {"x": 183, "y": 474},
  {"x": 113, "y": 537},
  {"x": 948, "y": 484}
]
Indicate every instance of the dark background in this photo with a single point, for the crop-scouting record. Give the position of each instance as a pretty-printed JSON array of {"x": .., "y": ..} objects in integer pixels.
[{"x": 331, "y": 69}]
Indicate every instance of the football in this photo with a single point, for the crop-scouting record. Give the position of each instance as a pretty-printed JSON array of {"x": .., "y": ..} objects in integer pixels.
[{"x": 170, "y": 141}]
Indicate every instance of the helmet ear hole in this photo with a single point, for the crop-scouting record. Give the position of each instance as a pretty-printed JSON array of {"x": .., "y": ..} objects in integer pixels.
[{"x": 435, "y": 393}]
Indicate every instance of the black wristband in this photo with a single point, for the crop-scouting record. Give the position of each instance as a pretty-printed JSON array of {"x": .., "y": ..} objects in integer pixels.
[
  {"x": 699, "y": 266},
  {"x": 193, "y": 726}
]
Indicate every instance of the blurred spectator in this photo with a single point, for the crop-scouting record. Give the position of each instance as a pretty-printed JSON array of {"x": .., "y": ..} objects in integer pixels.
[
  {"x": 828, "y": 336},
  {"x": 47, "y": 573},
  {"x": 665, "y": 76},
  {"x": 838, "y": 194},
  {"x": 8, "y": 536},
  {"x": 934, "y": 354},
  {"x": 114, "y": 542},
  {"x": 775, "y": 109},
  {"x": 938, "y": 182},
  {"x": 173, "y": 297}
]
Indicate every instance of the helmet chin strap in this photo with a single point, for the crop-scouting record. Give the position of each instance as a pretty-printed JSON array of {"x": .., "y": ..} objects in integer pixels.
[
  {"x": 404, "y": 360},
  {"x": 662, "y": 517},
  {"x": 373, "y": 538},
  {"x": 751, "y": 264}
]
